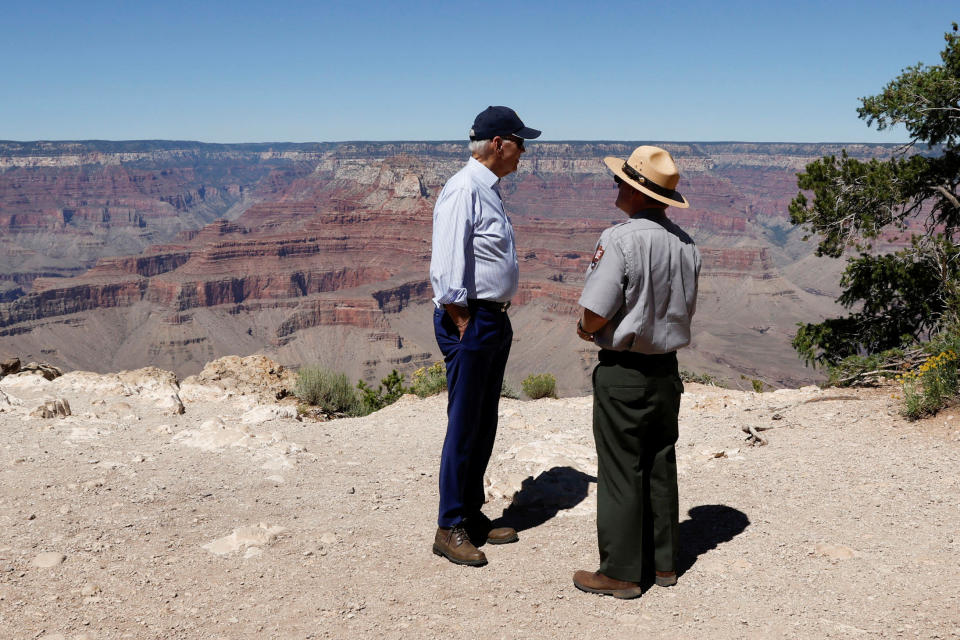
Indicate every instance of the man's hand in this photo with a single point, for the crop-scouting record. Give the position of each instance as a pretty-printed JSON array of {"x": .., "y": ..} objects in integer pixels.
[{"x": 460, "y": 316}]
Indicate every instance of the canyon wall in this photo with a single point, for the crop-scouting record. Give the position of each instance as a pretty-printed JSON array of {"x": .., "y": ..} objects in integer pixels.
[{"x": 120, "y": 255}]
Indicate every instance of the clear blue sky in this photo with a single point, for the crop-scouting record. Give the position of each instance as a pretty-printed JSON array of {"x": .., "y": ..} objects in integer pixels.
[{"x": 244, "y": 71}]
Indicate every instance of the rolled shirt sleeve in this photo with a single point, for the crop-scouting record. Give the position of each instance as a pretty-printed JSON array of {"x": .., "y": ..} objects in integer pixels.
[
  {"x": 452, "y": 230},
  {"x": 603, "y": 286}
]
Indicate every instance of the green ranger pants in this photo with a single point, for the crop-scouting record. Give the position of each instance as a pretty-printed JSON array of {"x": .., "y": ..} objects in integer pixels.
[{"x": 636, "y": 400}]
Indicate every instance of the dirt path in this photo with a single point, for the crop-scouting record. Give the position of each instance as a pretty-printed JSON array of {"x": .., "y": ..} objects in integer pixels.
[{"x": 235, "y": 520}]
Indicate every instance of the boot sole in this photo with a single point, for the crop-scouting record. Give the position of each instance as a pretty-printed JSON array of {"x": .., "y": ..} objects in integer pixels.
[
  {"x": 666, "y": 581},
  {"x": 515, "y": 538},
  {"x": 469, "y": 563},
  {"x": 623, "y": 594}
]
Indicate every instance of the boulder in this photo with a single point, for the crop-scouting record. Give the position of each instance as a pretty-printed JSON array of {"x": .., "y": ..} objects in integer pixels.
[
  {"x": 9, "y": 365},
  {"x": 47, "y": 371},
  {"x": 54, "y": 408},
  {"x": 251, "y": 375}
]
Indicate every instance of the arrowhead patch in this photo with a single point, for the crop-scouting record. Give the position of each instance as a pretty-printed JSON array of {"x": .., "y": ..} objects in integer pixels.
[{"x": 597, "y": 256}]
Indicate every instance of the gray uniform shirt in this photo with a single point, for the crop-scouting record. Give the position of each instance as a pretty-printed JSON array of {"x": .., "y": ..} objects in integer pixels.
[{"x": 643, "y": 279}]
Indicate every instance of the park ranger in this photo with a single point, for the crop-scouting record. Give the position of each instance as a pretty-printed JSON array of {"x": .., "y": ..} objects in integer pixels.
[{"x": 638, "y": 299}]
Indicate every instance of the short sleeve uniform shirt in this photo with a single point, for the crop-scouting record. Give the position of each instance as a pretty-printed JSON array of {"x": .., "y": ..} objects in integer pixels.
[{"x": 643, "y": 280}]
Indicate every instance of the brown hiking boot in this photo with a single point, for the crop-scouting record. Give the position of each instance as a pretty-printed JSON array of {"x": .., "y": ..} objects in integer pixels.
[
  {"x": 481, "y": 530},
  {"x": 454, "y": 545},
  {"x": 596, "y": 582},
  {"x": 666, "y": 578}
]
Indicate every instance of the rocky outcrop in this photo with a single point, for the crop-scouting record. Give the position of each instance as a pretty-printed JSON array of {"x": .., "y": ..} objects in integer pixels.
[
  {"x": 56, "y": 408},
  {"x": 364, "y": 313},
  {"x": 257, "y": 376},
  {"x": 749, "y": 262}
]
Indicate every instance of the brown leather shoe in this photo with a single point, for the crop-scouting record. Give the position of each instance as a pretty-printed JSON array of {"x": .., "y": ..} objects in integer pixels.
[
  {"x": 596, "y": 582},
  {"x": 481, "y": 530},
  {"x": 454, "y": 545},
  {"x": 666, "y": 578},
  {"x": 502, "y": 535}
]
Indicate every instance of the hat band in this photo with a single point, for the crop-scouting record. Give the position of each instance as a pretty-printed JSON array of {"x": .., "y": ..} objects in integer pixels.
[{"x": 650, "y": 184}]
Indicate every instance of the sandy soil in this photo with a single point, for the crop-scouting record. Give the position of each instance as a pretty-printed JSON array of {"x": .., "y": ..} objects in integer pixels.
[{"x": 236, "y": 520}]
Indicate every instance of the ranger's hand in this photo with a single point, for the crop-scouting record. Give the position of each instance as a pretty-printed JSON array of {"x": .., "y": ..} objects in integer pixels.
[{"x": 583, "y": 335}]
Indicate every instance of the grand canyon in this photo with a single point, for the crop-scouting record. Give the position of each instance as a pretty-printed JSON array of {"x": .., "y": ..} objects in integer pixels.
[{"x": 119, "y": 255}]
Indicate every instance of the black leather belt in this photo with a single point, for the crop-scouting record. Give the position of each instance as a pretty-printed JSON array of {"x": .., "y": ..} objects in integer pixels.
[
  {"x": 629, "y": 358},
  {"x": 489, "y": 305}
]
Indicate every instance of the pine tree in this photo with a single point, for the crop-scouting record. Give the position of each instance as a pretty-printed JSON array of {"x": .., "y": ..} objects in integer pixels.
[{"x": 900, "y": 297}]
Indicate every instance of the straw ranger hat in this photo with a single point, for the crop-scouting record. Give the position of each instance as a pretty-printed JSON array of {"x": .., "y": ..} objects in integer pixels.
[{"x": 652, "y": 171}]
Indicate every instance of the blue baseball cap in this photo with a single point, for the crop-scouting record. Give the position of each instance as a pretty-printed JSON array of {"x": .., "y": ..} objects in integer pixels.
[{"x": 500, "y": 121}]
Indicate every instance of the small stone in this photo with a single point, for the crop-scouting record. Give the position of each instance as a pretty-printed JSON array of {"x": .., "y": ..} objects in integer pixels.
[
  {"x": 328, "y": 538},
  {"x": 48, "y": 559},
  {"x": 89, "y": 589}
]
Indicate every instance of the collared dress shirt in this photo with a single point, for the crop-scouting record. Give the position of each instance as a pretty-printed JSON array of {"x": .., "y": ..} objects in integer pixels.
[
  {"x": 474, "y": 255},
  {"x": 643, "y": 279}
]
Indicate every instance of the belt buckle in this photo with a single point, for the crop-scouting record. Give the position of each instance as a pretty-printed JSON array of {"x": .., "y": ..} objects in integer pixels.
[{"x": 504, "y": 306}]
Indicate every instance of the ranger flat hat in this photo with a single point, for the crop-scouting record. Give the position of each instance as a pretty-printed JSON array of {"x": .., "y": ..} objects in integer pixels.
[{"x": 652, "y": 171}]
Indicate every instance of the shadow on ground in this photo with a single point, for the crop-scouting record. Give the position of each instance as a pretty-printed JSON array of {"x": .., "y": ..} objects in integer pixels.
[
  {"x": 540, "y": 498},
  {"x": 709, "y": 526}
]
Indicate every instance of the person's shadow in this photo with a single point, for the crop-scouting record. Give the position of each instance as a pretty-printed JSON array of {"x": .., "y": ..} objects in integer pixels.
[
  {"x": 709, "y": 526},
  {"x": 541, "y": 498}
]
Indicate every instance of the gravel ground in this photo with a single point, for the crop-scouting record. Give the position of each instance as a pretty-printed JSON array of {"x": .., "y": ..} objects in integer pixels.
[{"x": 236, "y": 520}]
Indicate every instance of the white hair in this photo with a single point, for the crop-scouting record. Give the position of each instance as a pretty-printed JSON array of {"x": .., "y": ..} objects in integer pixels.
[{"x": 480, "y": 147}]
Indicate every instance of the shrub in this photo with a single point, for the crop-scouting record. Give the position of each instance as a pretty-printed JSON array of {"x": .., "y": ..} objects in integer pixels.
[
  {"x": 506, "y": 391},
  {"x": 931, "y": 386},
  {"x": 389, "y": 391},
  {"x": 540, "y": 385},
  {"x": 429, "y": 381},
  {"x": 327, "y": 389},
  {"x": 869, "y": 370},
  {"x": 699, "y": 378}
]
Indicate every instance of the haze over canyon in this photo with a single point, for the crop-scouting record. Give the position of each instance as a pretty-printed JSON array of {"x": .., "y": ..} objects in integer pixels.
[{"x": 119, "y": 255}]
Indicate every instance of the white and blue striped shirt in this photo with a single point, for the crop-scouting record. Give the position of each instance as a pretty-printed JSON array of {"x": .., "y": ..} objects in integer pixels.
[{"x": 474, "y": 255}]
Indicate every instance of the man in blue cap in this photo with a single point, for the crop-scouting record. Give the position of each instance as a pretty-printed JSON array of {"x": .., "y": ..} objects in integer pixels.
[{"x": 474, "y": 273}]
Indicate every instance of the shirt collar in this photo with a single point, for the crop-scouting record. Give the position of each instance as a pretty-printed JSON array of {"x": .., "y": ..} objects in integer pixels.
[
  {"x": 484, "y": 175},
  {"x": 653, "y": 213}
]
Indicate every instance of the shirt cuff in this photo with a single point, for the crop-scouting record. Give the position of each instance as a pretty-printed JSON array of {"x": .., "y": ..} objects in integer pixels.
[{"x": 456, "y": 296}]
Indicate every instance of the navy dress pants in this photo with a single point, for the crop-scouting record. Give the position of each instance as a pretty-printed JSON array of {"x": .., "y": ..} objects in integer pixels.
[{"x": 475, "y": 368}]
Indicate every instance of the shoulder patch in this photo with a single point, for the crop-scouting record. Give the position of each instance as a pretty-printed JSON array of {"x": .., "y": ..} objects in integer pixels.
[{"x": 597, "y": 256}]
